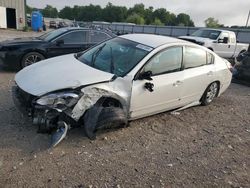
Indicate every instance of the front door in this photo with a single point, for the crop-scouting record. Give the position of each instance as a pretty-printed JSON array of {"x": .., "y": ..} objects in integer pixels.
[
  {"x": 167, "y": 79},
  {"x": 72, "y": 42},
  {"x": 224, "y": 48}
]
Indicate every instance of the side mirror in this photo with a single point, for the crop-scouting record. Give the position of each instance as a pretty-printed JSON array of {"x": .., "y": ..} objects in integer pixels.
[
  {"x": 59, "y": 42},
  {"x": 145, "y": 76},
  {"x": 224, "y": 40}
]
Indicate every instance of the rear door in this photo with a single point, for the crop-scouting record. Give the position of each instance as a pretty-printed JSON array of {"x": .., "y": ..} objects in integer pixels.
[
  {"x": 198, "y": 73},
  {"x": 71, "y": 42}
]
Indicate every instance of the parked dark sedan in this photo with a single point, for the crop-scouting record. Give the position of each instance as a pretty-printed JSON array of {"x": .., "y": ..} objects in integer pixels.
[
  {"x": 21, "y": 52},
  {"x": 242, "y": 67}
]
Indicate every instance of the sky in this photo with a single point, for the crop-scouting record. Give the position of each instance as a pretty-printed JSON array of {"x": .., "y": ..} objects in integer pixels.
[{"x": 228, "y": 12}]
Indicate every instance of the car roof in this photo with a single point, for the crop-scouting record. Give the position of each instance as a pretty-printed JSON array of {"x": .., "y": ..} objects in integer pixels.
[{"x": 152, "y": 40}]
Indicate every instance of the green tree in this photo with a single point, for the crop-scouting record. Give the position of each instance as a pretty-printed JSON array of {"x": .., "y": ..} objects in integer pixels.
[
  {"x": 136, "y": 14},
  {"x": 157, "y": 21},
  {"x": 66, "y": 13},
  {"x": 184, "y": 20},
  {"x": 212, "y": 23},
  {"x": 135, "y": 18},
  {"x": 50, "y": 12},
  {"x": 137, "y": 9},
  {"x": 90, "y": 13},
  {"x": 113, "y": 13},
  {"x": 148, "y": 15}
]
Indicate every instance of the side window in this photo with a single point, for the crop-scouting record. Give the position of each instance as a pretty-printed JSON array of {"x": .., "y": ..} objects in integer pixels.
[
  {"x": 167, "y": 61},
  {"x": 210, "y": 58},
  {"x": 97, "y": 36},
  {"x": 194, "y": 57},
  {"x": 77, "y": 37}
]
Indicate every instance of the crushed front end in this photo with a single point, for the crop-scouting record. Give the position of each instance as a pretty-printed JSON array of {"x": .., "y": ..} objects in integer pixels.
[
  {"x": 57, "y": 112},
  {"x": 51, "y": 112}
]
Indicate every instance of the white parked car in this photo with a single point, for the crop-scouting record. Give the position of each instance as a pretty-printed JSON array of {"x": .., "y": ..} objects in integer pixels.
[
  {"x": 222, "y": 42},
  {"x": 122, "y": 79}
]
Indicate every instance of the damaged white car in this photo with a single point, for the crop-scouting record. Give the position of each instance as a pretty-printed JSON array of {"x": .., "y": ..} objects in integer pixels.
[{"x": 119, "y": 80}]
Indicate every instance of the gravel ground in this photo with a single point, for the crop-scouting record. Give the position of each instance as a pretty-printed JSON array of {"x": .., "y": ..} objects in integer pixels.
[
  {"x": 10, "y": 34},
  {"x": 201, "y": 147}
]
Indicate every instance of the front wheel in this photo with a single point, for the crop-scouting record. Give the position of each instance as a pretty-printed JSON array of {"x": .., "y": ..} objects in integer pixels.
[
  {"x": 31, "y": 58},
  {"x": 210, "y": 93}
]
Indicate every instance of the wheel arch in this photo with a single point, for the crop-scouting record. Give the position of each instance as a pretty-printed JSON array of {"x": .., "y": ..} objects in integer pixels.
[
  {"x": 242, "y": 51},
  {"x": 98, "y": 112},
  {"x": 219, "y": 84}
]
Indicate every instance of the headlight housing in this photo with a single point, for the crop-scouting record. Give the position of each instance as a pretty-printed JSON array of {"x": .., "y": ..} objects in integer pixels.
[{"x": 60, "y": 100}]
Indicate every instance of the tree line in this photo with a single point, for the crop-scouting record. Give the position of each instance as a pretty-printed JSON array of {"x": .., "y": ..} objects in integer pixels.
[{"x": 137, "y": 14}]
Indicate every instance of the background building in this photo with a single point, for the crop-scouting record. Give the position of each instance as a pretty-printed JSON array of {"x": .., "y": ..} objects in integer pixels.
[{"x": 12, "y": 14}]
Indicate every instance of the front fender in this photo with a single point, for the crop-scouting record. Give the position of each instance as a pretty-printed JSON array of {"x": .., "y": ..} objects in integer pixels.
[{"x": 92, "y": 96}]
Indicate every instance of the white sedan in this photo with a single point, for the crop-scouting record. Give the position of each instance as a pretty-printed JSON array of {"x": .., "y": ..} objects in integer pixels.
[{"x": 122, "y": 79}]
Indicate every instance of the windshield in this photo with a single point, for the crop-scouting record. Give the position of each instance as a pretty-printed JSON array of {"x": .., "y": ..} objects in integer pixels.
[
  {"x": 50, "y": 35},
  {"x": 117, "y": 56},
  {"x": 211, "y": 34}
]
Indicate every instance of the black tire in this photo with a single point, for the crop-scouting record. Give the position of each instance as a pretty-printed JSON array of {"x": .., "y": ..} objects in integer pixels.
[
  {"x": 210, "y": 93},
  {"x": 111, "y": 117},
  {"x": 102, "y": 118},
  {"x": 31, "y": 58}
]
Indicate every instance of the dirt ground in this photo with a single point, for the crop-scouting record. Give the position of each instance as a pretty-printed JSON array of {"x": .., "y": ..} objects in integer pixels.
[{"x": 201, "y": 147}]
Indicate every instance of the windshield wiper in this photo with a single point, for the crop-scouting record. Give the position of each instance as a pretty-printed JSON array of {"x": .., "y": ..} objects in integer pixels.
[
  {"x": 95, "y": 54},
  {"x": 77, "y": 55},
  {"x": 112, "y": 67}
]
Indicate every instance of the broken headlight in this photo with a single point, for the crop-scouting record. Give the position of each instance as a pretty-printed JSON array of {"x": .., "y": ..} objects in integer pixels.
[{"x": 60, "y": 101}]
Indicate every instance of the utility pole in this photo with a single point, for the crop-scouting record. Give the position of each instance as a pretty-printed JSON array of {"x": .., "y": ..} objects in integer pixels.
[{"x": 248, "y": 18}]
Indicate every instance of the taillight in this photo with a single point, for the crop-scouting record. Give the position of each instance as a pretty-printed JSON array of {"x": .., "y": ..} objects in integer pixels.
[{"x": 229, "y": 65}]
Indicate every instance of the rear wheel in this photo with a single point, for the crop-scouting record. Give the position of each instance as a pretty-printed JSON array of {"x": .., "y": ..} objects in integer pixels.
[
  {"x": 31, "y": 58},
  {"x": 210, "y": 93}
]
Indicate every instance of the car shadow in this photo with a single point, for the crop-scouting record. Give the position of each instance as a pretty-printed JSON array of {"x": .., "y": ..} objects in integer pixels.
[
  {"x": 242, "y": 82},
  {"x": 7, "y": 70}
]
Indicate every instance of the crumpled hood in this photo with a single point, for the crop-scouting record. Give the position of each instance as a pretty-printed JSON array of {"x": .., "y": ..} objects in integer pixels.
[{"x": 58, "y": 73}]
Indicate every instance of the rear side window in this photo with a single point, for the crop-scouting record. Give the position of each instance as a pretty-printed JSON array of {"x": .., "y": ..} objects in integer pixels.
[
  {"x": 97, "y": 37},
  {"x": 194, "y": 57},
  {"x": 210, "y": 58},
  {"x": 77, "y": 37}
]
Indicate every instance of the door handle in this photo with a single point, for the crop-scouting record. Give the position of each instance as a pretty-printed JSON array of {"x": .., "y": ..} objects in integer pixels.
[
  {"x": 149, "y": 86},
  {"x": 177, "y": 83},
  {"x": 229, "y": 46},
  {"x": 210, "y": 73}
]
